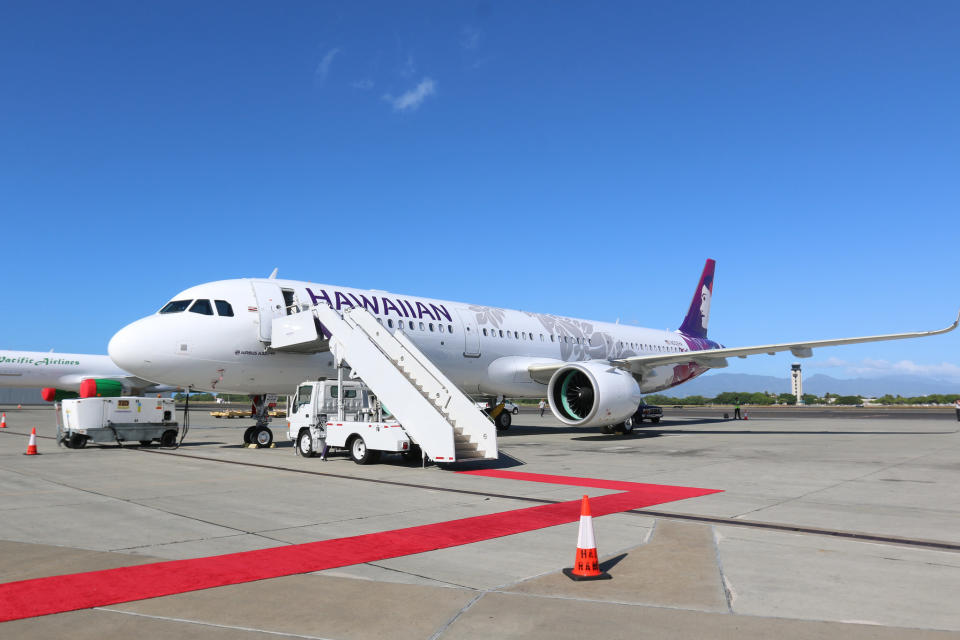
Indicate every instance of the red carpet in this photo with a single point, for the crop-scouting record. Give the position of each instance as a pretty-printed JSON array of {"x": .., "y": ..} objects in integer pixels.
[{"x": 56, "y": 594}]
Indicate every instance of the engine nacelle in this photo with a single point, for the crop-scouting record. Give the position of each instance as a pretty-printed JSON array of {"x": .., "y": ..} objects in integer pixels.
[
  {"x": 100, "y": 388},
  {"x": 50, "y": 394},
  {"x": 588, "y": 394}
]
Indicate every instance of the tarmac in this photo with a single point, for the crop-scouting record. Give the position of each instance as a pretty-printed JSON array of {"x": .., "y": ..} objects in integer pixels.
[{"x": 828, "y": 524}]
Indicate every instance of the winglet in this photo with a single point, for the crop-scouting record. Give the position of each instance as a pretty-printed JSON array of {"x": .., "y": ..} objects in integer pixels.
[{"x": 273, "y": 274}]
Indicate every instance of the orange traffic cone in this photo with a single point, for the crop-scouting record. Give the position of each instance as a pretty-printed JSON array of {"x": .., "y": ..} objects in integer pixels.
[
  {"x": 586, "y": 566},
  {"x": 3, "y": 421},
  {"x": 19, "y": 406},
  {"x": 746, "y": 416},
  {"x": 32, "y": 446}
]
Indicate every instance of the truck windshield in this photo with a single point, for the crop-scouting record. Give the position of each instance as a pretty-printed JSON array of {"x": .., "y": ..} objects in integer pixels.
[{"x": 303, "y": 396}]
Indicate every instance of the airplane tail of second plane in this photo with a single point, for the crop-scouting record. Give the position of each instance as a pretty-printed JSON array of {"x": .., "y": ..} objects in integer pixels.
[{"x": 698, "y": 316}]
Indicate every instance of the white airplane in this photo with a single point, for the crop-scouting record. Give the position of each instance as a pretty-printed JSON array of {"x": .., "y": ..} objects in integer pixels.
[
  {"x": 68, "y": 375},
  {"x": 216, "y": 337}
]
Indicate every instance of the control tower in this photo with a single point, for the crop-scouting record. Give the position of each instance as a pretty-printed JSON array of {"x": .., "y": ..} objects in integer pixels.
[{"x": 796, "y": 380}]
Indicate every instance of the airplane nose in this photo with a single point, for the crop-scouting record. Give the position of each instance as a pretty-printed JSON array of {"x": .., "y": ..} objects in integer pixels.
[{"x": 129, "y": 348}]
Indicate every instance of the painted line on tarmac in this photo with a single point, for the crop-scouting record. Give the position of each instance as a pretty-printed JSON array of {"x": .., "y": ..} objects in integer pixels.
[{"x": 57, "y": 594}]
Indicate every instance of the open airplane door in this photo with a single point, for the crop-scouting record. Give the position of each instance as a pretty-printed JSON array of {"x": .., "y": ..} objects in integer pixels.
[{"x": 270, "y": 303}]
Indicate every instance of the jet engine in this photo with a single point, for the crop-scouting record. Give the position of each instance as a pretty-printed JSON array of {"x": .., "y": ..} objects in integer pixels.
[
  {"x": 100, "y": 388},
  {"x": 587, "y": 394},
  {"x": 50, "y": 394}
]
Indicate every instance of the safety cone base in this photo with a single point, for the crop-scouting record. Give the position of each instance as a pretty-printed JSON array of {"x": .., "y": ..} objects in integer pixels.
[{"x": 578, "y": 578}]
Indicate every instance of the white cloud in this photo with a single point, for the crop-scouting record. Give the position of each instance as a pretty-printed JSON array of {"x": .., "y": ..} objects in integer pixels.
[
  {"x": 870, "y": 368},
  {"x": 412, "y": 99},
  {"x": 323, "y": 68},
  {"x": 364, "y": 84},
  {"x": 470, "y": 38}
]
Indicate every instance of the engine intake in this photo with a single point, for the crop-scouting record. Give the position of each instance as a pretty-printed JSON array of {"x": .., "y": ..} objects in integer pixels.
[{"x": 587, "y": 394}]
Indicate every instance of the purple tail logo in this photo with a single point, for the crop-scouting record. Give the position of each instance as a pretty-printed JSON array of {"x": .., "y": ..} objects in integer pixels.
[{"x": 695, "y": 324}]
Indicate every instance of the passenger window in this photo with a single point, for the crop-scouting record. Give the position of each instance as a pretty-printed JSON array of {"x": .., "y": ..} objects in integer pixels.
[
  {"x": 203, "y": 307},
  {"x": 176, "y": 306},
  {"x": 390, "y": 323},
  {"x": 431, "y": 326},
  {"x": 411, "y": 325},
  {"x": 484, "y": 331},
  {"x": 449, "y": 328},
  {"x": 501, "y": 333},
  {"x": 551, "y": 337},
  {"x": 421, "y": 326},
  {"x": 224, "y": 308}
]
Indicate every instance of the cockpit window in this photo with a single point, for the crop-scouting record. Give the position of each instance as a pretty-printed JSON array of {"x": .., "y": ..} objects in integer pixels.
[
  {"x": 223, "y": 308},
  {"x": 176, "y": 306},
  {"x": 202, "y": 306}
]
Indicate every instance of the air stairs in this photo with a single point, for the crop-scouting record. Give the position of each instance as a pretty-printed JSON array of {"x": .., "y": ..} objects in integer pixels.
[{"x": 436, "y": 415}]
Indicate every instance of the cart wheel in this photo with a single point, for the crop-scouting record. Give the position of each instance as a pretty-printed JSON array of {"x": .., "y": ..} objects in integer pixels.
[
  {"x": 413, "y": 454},
  {"x": 360, "y": 454},
  {"x": 503, "y": 421},
  {"x": 145, "y": 443},
  {"x": 169, "y": 438},
  {"x": 305, "y": 444},
  {"x": 248, "y": 435},
  {"x": 78, "y": 441},
  {"x": 261, "y": 436}
]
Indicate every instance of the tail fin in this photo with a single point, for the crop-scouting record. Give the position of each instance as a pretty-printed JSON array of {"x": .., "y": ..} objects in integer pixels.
[{"x": 695, "y": 324}]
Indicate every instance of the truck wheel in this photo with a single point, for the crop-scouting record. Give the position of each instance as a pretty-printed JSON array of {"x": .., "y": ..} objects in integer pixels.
[
  {"x": 78, "y": 441},
  {"x": 413, "y": 454},
  {"x": 169, "y": 438},
  {"x": 516, "y": 410},
  {"x": 654, "y": 420},
  {"x": 262, "y": 437},
  {"x": 305, "y": 444},
  {"x": 248, "y": 435},
  {"x": 360, "y": 454},
  {"x": 503, "y": 421}
]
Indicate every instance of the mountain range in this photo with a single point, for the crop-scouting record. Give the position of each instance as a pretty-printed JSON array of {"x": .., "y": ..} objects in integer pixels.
[{"x": 710, "y": 385}]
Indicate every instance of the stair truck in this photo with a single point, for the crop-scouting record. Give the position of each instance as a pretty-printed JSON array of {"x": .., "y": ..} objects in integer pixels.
[{"x": 344, "y": 415}]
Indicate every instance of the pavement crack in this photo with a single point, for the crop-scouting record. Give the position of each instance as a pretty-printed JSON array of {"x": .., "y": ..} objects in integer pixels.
[{"x": 457, "y": 615}]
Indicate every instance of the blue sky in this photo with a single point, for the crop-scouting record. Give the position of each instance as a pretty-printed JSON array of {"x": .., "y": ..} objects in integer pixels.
[{"x": 564, "y": 158}]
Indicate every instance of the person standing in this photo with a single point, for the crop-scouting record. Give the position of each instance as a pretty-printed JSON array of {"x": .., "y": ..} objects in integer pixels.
[
  {"x": 736, "y": 409},
  {"x": 543, "y": 406},
  {"x": 957, "y": 405}
]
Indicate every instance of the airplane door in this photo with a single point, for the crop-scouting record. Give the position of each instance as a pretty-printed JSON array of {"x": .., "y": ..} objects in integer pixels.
[
  {"x": 270, "y": 303},
  {"x": 471, "y": 336}
]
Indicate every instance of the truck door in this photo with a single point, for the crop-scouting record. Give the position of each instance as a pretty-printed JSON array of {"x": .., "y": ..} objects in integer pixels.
[
  {"x": 302, "y": 409},
  {"x": 271, "y": 304},
  {"x": 471, "y": 339}
]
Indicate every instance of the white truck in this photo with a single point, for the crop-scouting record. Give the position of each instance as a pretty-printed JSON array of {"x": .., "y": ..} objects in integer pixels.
[
  {"x": 344, "y": 414},
  {"x": 119, "y": 419}
]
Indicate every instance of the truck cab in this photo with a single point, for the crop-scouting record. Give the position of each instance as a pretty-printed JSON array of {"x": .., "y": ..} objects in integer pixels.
[{"x": 331, "y": 414}]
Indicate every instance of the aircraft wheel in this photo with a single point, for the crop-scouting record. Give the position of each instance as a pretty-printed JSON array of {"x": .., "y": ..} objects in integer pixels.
[
  {"x": 503, "y": 421},
  {"x": 248, "y": 435},
  {"x": 262, "y": 437},
  {"x": 169, "y": 438},
  {"x": 305, "y": 444},
  {"x": 627, "y": 426},
  {"x": 360, "y": 454},
  {"x": 607, "y": 428}
]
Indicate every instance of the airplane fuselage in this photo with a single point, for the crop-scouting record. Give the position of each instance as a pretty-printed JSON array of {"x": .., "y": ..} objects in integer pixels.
[
  {"x": 483, "y": 349},
  {"x": 57, "y": 370}
]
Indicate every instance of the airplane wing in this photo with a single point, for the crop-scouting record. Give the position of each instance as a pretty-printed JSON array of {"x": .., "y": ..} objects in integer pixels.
[{"x": 717, "y": 358}]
